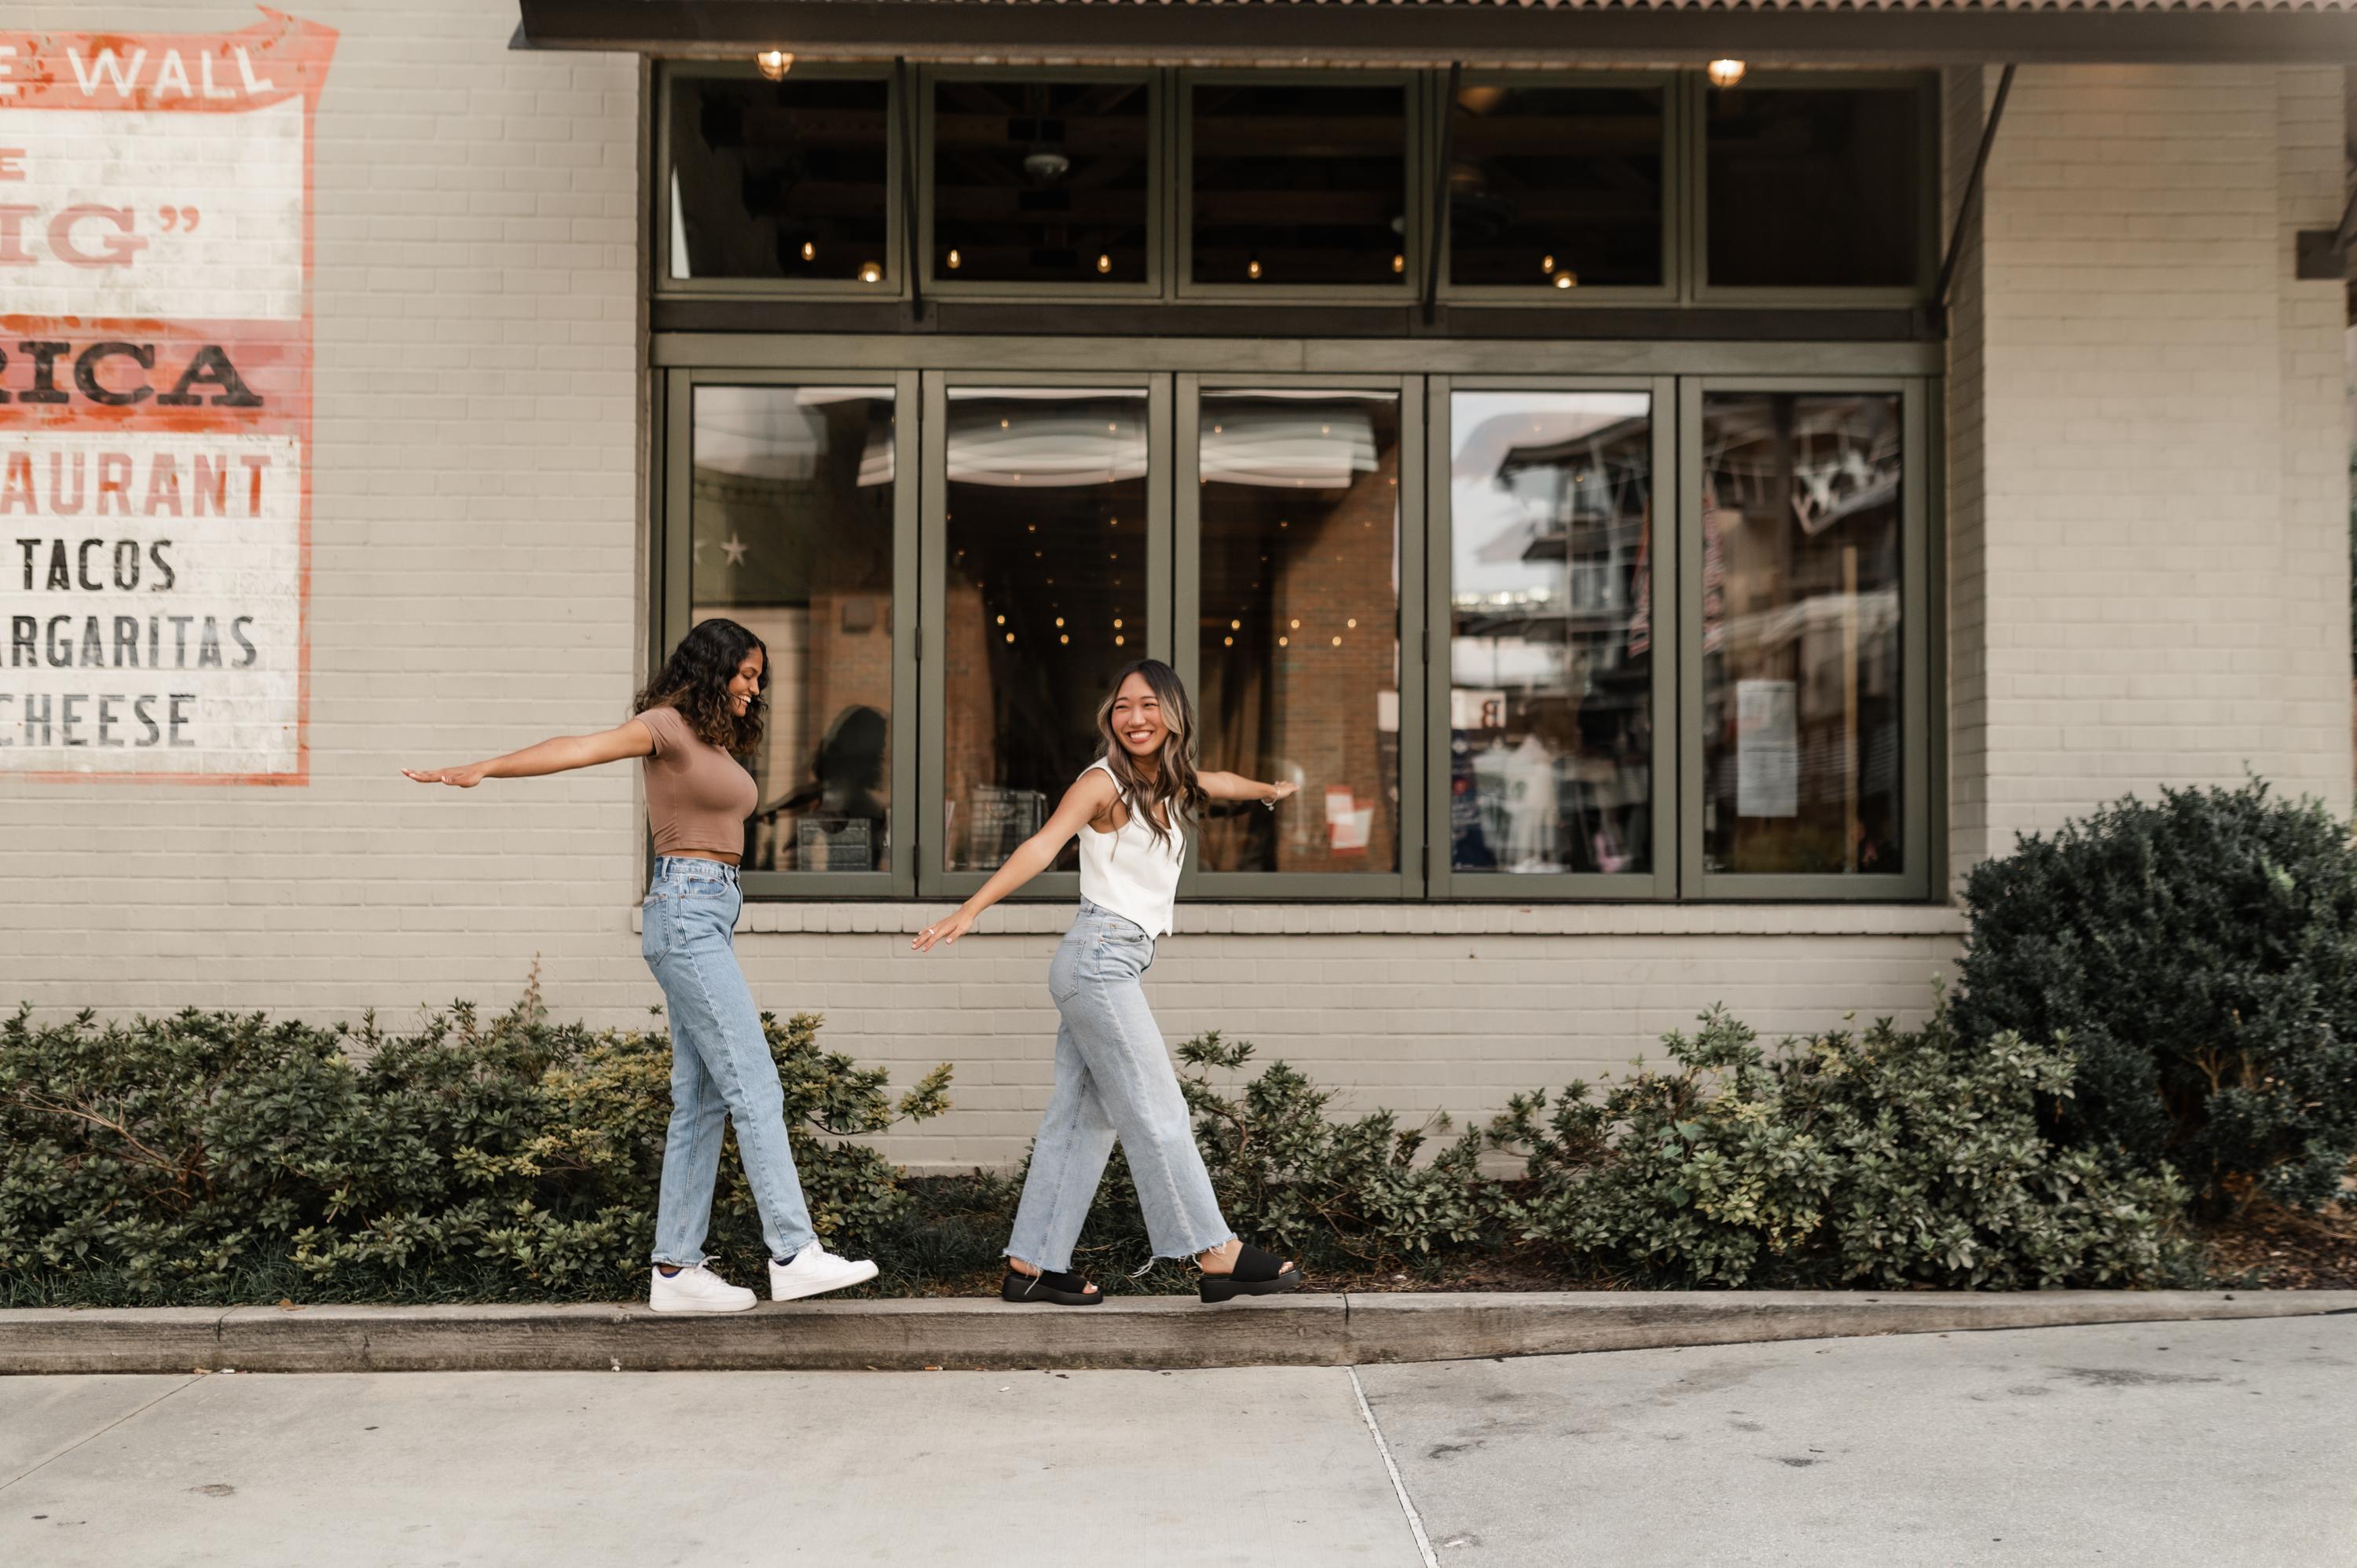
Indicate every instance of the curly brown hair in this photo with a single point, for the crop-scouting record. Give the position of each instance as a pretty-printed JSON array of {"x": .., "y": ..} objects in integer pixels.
[{"x": 695, "y": 680}]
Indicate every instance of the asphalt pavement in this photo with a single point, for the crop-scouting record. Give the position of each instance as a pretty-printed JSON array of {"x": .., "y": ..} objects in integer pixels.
[{"x": 2213, "y": 1444}]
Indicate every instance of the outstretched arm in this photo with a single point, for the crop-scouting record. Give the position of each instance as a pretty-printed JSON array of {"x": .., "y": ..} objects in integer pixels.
[
  {"x": 1237, "y": 787},
  {"x": 561, "y": 755},
  {"x": 1086, "y": 799}
]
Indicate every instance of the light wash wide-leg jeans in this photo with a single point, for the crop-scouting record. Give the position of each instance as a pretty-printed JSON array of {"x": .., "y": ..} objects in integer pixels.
[
  {"x": 1114, "y": 1081},
  {"x": 721, "y": 1069}
]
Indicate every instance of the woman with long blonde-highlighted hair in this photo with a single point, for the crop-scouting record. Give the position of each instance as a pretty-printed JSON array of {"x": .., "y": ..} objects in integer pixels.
[{"x": 1131, "y": 810}]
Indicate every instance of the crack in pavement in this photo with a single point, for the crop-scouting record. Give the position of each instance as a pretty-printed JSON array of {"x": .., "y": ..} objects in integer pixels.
[{"x": 118, "y": 1421}]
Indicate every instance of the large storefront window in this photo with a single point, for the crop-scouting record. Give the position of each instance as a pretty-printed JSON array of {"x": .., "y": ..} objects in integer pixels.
[
  {"x": 1297, "y": 624},
  {"x": 791, "y": 524},
  {"x": 1533, "y": 467},
  {"x": 1640, "y": 638},
  {"x": 1044, "y": 547},
  {"x": 1551, "y": 659},
  {"x": 1803, "y": 569}
]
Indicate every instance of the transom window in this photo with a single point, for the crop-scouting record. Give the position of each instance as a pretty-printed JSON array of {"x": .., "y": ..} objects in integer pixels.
[{"x": 1521, "y": 187}]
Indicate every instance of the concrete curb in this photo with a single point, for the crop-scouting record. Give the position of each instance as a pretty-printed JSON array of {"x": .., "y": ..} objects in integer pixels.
[{"x": 909, "y": 1335}]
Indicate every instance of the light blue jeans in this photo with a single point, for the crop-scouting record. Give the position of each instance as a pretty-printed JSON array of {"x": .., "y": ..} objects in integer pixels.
[
  {"x": 1113, "y": 1080},
  {"x": 720, "y": 1065}
]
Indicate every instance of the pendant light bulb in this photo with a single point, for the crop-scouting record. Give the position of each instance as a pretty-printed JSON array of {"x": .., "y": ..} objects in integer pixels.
[
  {"x": 1726, "y": 72},
  {"x": 774, "y": 63}
]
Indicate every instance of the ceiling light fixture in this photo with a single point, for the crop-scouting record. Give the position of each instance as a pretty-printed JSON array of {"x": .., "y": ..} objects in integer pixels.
[
  {"x": 774, "y": 63},
  {"x": 1726, "y": 72}
]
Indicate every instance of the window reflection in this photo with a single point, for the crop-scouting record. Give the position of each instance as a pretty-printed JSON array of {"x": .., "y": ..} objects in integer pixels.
[
  {"x": 791, "y": 506},
  {"x": 780, "y": 179},
  {"x": 1045, "y": 600},
  {"x": 1555, "y": 188},
  {"x": 1551, "y": 654},
  {"x": 1801, "y": 622},
  {"x": 1041, "y": 181},
  {"x": 1297, "y": 647}
]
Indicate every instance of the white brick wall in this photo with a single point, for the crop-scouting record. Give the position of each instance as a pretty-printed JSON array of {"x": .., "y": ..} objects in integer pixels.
[
  {"x": 477, "y": 575},
  {"x": 2148, "y": 510},
  {"x": 475, "y": 550}
]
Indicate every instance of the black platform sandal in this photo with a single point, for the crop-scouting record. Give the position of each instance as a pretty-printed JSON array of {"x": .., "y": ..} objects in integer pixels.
[
  {"x": 1059, "y": 1290},
  {"x": 1256, "y": 1274}
]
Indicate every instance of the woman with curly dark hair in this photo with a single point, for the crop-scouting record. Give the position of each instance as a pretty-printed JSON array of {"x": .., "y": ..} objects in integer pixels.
[
  {"x": 696, "y": 719},
  {"x": 1113, "y": 1080}
]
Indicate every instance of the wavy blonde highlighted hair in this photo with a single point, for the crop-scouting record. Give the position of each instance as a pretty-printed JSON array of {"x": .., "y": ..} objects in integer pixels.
[{"x": 1174, "y": 789}]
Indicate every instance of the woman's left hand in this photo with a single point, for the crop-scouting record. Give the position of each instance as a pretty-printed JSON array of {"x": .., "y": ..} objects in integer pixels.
[
  {"x": 948, "y": 930},
  {"x": 1278, "y": 792}
]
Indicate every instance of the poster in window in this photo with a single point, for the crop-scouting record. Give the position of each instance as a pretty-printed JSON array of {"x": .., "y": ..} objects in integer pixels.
[
  {"x": 156, "y": 401},
  {"x": 1767, "y": 749}
]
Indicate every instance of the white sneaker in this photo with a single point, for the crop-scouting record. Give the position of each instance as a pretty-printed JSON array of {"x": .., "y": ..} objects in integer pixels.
[
  {"x": 698, "y": 1290},
  {"x": 813, "y": 1272}
]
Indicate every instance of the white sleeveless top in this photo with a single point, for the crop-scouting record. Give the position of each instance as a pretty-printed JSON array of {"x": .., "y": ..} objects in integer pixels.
[{"x": 1130, "y": 871}]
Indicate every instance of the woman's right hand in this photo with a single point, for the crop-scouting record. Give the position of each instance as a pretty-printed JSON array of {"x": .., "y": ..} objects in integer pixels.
[
  {"x": 948, "y": 930},
  {"x": 465, "y": 777}
]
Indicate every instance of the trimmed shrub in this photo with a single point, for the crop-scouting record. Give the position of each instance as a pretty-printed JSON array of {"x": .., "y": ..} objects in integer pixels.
[
  {"x": 1891, "y": 1158},
  {"x": 173, "y": 1156},
  {"x": 2201, "y": 956}
]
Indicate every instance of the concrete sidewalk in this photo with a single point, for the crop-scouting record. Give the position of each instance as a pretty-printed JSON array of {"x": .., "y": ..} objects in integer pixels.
[
  {"x": 2183, "y": 1445},
  {"x": 1146, "y": 1332}
]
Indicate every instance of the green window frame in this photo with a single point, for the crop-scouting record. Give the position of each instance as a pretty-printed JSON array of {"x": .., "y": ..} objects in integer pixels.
[
  {"x": 1158, "y": 262},
  {"x": 1920, "y": 715},
  {"x": 671, "y": 582},
  {"x": 1427, "y": 109},
  {"x": 1693, "y": 270},
  {"x": 1407, "y": 881},
  {"x": 1415, "y": 160},
  {"x": 1678, "y": 89},
  {"x": 895, "y": 261},
  {"x": 934, "y": 877},
  {"x": 1661, "y": 882},
  {"x": 1173, "y": 372}
]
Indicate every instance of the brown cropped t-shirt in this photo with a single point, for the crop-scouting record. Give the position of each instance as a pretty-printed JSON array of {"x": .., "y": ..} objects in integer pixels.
[{"x": 697, "y": 795}]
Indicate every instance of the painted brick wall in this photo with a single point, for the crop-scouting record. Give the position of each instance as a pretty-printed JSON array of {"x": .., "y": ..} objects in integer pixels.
[
  {"x": 2148, "y": 494},
  {"x": 475, "y": 563},
  {"x": 477, "y": 583}
]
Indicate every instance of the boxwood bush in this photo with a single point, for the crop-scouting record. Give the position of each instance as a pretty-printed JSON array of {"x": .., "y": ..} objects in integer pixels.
[
  {"x": 2200, "y": 955},
  {"x": 175, "y": 1157},
  {"x": 1888, "y": 1158}
]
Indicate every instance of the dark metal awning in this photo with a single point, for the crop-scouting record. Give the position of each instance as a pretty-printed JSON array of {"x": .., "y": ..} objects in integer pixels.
[{"x": 1879, "y": 32}]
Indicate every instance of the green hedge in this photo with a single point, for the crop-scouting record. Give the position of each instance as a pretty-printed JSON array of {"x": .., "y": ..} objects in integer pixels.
[
  {"x": 1888, "y": 1158},
  {"x": 210, "y": 1156},
  {"x": 175, "y": 1156}
]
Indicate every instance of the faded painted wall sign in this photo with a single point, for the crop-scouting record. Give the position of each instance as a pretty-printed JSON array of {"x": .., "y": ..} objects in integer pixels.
[{"x": 156, "y": 401}]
